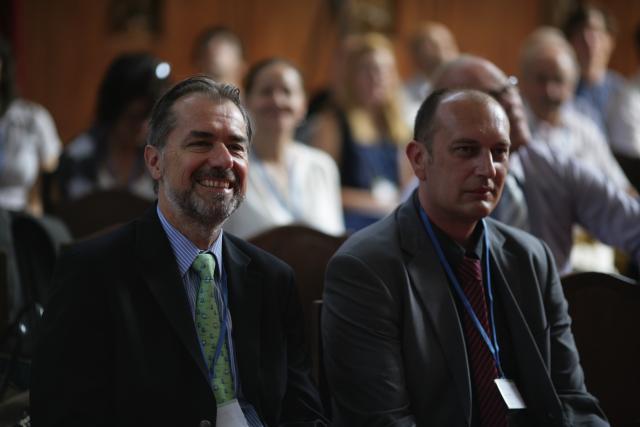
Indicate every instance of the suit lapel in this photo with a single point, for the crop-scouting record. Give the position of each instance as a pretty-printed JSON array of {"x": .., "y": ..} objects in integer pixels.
[
  {"x": 535, "y": 384},
  {"x": 160, "y": 272},
  {"x": 432, "y": 287},
  {"x": 245, "y": 295}
]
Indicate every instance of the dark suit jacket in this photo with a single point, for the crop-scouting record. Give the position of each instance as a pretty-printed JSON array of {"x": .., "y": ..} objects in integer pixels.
[
  {"x": 394, "y": 348},
  {"x": 119, "y": 346}
]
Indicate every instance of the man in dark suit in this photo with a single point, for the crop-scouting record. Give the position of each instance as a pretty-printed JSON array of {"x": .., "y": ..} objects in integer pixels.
[
  {"x": 167, "y": 320},
  {"x": 440, "y": 316}
]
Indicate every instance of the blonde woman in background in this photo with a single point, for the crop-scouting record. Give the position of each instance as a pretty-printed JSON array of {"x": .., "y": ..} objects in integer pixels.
[{"x": 365, "y": 130}]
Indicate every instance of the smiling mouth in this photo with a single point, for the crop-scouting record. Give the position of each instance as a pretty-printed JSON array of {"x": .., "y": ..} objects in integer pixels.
[{"x": 214, "y": 183}]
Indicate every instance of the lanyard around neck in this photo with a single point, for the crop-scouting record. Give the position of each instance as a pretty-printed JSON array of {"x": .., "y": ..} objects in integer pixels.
[
  {"x": 492, "y": 343},
  {"x": 289, "y": 206}
]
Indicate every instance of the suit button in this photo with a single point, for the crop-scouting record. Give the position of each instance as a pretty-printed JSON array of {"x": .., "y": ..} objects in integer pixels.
[{"x": 205, "y": 423}]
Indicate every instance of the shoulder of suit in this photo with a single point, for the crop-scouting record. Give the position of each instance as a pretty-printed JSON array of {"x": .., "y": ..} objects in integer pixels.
[
  {"x": 114, "y": 243},
  {"x": 378, "y": 239},
  {"x": 515, "y": 236},
  {"x": 258, "y": 256}
]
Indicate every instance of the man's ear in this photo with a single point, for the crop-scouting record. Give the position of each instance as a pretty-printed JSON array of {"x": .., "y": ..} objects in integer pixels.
[
  {"x": 417, "y": 155},
  {"x": 153, "y": 160}
]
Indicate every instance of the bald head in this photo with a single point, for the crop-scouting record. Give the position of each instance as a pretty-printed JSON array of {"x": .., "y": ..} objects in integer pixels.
[
  {"x": 426, "y": 123},
  {"x": 461, "y": 162},
  {"x": 432, "y": 45},
  {"x": 473, "y": 72},
  {"x": 548, "y": 73}
]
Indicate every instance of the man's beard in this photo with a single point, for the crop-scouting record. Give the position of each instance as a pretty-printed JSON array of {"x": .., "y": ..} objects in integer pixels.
[{"x": 214, "y": 210}]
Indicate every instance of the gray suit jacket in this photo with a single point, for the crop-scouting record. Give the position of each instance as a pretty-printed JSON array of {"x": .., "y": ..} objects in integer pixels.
[{"x": 394, "y": 348}]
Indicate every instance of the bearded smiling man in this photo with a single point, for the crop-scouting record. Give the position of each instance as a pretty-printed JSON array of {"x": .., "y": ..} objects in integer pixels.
[{"x": 168, "y": 320}]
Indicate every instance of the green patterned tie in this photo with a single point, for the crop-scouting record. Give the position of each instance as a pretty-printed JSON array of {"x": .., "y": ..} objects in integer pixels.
[{"x": 208, "y": 327}]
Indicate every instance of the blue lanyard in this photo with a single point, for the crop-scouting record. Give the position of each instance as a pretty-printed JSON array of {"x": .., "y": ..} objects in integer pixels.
[
  {"x": 492, "y": 344},
  {"x": 224, "y": 331},
  {"x": 289, "y": 207}
]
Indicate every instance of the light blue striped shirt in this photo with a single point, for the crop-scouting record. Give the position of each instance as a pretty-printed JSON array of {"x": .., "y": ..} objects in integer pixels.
[{"x": 185, "y": 252}]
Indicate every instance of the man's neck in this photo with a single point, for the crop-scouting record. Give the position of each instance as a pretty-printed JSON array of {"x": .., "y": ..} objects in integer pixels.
[{"x": 459, "y": 231}]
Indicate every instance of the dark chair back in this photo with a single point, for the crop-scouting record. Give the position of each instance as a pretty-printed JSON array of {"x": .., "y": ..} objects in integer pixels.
[
  {"x": 100, "y": 210},
  {"x": 31, "y": 246},
  {"x": 307, "y": 251},
  {"x": 631, "y": 168},
  {"x": 605, "y": 309}
]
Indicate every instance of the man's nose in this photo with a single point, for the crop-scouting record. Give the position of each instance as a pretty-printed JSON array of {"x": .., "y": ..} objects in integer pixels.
[
  {"x": 485, "y": 165},
  {"x": 552, "y": 89},
  {"x": 278, "y": 98},
  {"x": 220, "y": 156}
]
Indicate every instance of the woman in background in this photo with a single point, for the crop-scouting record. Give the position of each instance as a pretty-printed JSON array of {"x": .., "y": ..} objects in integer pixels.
[
  {"x": 288, "y": 181},
  {"x": 365, "y": 130},
  {"x": 29, "y": 144},
  {"x": 110, "y": 154}
]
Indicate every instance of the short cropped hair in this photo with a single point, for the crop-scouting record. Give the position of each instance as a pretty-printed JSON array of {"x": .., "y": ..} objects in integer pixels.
[
  {"x": 424, "y": 127},
  {"x": 426, "y": 123},
  {"x": 163, "y": 118}
]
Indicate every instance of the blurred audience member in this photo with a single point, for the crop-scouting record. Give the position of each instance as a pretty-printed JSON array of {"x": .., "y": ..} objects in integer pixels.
[
  {"x": 218, "y": 53},
  {"x": 288, "y": 182},
  {"x": 366, "y": 130},
  {"x": 591, "y": 31},
  {"x": 635, "y": 80},
  {"x": 624, "y": 115},
  {"x": 110, "y": 154},
  {"x": 29, "y": 143},
  {"x": 549, "y": 74},
  {"x": 430, "y": 46},
  {"x": 559, "y": 191}
]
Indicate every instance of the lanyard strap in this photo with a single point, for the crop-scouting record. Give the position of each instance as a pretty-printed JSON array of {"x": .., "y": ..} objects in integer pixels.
[
  {"x": 492, "y": 344},
  {"x": 273, "y": 188}
]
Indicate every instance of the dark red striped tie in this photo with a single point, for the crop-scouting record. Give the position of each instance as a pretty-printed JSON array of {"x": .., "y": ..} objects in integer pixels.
[{"x": 491, "y": 408}]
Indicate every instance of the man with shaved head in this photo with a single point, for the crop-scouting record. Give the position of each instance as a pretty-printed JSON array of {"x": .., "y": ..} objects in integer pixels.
[
  {"x": 559, "y": 191},
  {"x": 440, "y": 316},
  {"x": 430, "y": 46},
  {"x": 549, "y": 74}
]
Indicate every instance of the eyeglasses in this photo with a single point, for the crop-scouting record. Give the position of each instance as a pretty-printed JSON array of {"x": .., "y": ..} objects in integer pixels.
[{"x": 512, "y": 83}]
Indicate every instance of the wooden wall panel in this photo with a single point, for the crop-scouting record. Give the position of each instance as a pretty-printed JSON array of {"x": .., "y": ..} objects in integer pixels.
[{"x": 65, "y": 46}]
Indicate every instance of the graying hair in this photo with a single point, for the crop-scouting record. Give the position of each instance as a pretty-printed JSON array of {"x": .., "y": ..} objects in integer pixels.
[{"x": 163, "y": 119}]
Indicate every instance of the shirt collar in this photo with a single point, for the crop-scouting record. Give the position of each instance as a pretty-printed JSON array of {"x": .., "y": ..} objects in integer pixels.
[
  {"x": 453, "y": 251},
  {"x": 185, "y": 250}
]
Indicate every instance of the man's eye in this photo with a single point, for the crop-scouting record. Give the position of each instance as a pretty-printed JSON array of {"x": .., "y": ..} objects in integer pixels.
[
  {"x": 198, "y": 145},
  {"x": 465, "y": 150},
  {"x": 500, "y": 153},
  {"x": 237, "y": 148}
]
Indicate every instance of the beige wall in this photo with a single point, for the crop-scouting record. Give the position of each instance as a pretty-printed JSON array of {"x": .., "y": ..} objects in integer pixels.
[{"x": 64, "y": 46}]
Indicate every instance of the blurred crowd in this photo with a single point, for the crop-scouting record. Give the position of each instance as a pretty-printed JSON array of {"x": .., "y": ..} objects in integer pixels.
[{"x": 334, "y": 160}]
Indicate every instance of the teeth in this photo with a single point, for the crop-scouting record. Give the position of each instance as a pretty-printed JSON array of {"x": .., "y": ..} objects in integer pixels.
[{"x": 211, "y": 183}]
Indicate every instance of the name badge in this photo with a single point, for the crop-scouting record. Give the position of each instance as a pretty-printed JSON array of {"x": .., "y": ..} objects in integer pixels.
[
  {"x": 510, "y": 394},
  {"x": 229, "y": 414}
]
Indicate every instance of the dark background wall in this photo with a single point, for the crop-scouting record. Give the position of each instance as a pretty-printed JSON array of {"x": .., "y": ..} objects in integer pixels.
[{"x": 64, "y": 46}]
